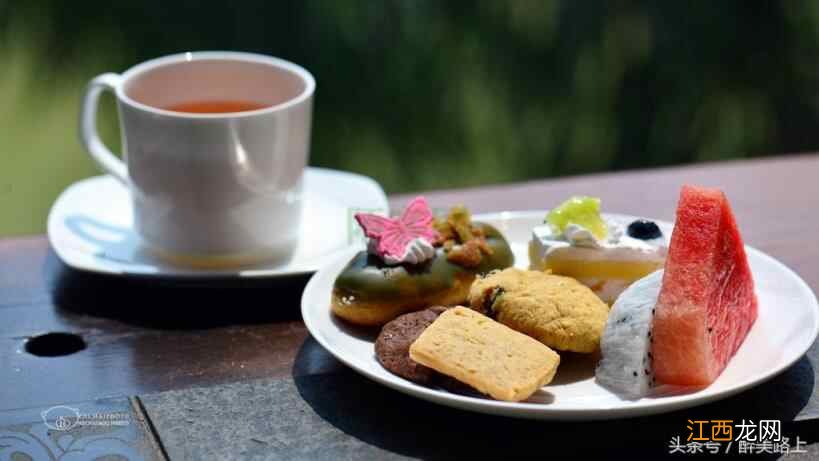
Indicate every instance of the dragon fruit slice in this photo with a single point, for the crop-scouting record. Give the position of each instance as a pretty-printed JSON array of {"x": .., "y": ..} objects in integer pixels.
[{"x": 626, "y": 367}]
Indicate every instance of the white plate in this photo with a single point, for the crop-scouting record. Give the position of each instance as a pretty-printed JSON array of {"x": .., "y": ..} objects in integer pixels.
[
  {"x": 787, "y": 325},
  {"x": 90, "y": 227}
]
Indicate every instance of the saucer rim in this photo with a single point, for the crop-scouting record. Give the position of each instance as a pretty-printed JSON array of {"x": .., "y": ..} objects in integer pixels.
[{"x": 63, "y": 251}]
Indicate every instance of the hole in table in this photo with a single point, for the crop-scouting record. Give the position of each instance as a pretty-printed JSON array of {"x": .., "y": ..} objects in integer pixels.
[{"x": 54, "y": 344}]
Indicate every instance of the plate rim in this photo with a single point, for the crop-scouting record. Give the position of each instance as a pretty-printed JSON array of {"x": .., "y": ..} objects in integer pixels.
[
  {"x": 543, "y": 411},
  {"x": 64, "y": 252}
]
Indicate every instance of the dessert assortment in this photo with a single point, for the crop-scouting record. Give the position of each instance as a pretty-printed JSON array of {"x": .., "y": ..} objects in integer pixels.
[{"x": 454, "y": 314}]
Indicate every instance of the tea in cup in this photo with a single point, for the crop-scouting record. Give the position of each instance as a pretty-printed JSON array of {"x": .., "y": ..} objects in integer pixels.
[{"x": 214, "y": 149}]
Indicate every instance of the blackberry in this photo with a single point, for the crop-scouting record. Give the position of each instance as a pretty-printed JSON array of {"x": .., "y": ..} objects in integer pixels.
[{"x": 644, "y": 230}]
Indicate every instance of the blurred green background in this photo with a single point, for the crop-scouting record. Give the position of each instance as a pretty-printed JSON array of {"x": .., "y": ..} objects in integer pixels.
[{"x": 476, "y": 92}]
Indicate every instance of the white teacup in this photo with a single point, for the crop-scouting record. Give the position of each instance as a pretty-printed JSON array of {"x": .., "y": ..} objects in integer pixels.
[{"x": 210, "y": 189}]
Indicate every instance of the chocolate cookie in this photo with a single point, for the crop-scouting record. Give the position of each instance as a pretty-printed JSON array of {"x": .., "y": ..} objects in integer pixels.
[{"x": 393, "y": 343}]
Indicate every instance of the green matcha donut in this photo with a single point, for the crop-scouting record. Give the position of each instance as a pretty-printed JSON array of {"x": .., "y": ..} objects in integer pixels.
[{"x": 370, "y": 292}]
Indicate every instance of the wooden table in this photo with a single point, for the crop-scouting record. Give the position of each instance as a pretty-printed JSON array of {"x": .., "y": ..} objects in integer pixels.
[{"x": 146, "y": 336}]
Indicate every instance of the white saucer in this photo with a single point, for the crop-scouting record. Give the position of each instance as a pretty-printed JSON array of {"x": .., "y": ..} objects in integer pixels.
[
  {"x": 787, "y": 326},
  {"x": 90, "y": 227}
]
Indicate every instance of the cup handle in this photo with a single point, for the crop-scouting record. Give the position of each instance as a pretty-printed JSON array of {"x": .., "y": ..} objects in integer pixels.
[{"x": 88, "y": 127}]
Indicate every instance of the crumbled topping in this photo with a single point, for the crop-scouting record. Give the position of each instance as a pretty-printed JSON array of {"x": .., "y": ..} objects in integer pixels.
[
  {"x": 463, "y": 242},
  {"x": 467, "y": 254}
]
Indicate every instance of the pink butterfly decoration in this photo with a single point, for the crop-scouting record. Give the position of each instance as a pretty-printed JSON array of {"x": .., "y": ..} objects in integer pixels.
[{"x": 394, "y": 234}]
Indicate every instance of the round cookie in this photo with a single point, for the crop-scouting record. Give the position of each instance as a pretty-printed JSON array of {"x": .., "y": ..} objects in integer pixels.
[
  {"x": 558, "y": 311},
  {"x": 393, "y": 343},
  {"x": 370, "y": 292}
]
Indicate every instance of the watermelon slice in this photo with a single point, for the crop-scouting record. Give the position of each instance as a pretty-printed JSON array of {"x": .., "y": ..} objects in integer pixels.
[{"x": 707, "y": 302}]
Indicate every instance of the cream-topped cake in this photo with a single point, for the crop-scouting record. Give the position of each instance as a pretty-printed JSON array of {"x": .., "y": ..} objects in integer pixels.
[{"x": 605, "y": 254}]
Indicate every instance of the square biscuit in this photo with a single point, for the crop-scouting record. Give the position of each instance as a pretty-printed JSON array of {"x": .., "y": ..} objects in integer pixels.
[{"x": 487, "y": 355}]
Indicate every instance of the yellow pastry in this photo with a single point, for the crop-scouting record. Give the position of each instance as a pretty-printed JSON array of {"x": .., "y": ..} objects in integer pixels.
[
  {"x": 485, "y": 354},
  {"x": 605, "y": 253}
]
